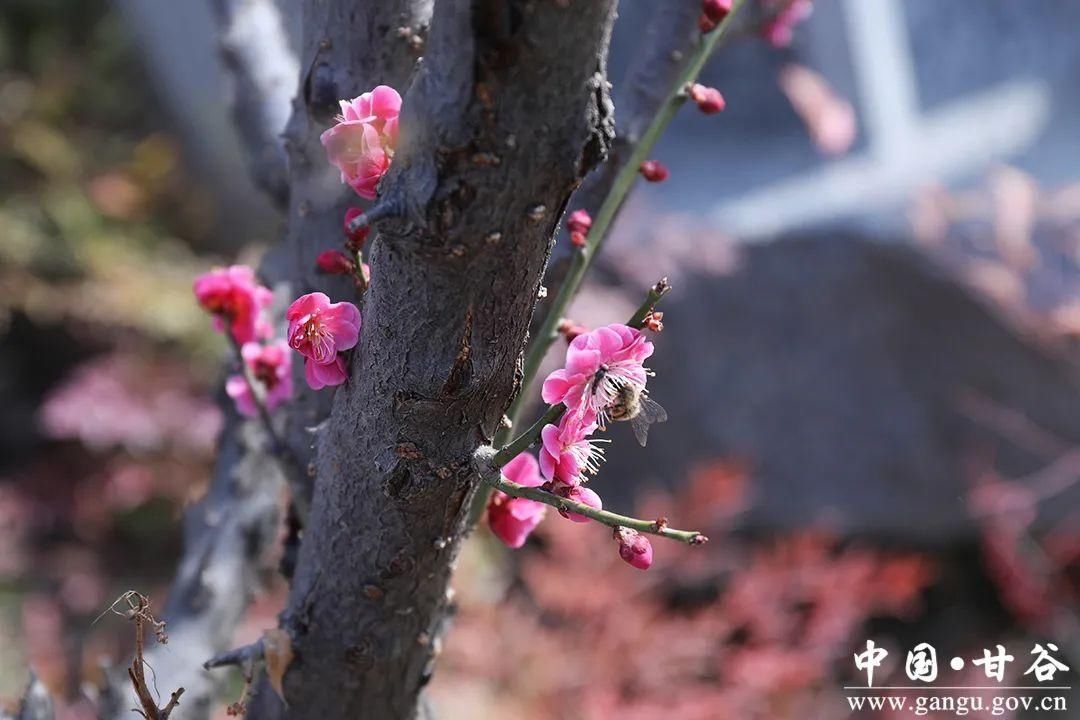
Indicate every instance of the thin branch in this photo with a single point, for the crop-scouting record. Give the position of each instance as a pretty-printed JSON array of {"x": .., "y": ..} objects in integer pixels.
[
  {"x": 552, "y": 414},
  {"x": 672, "y": 32},
  {"x": 526, "y": 439},
  {"x": 243, "y": 656},
  {"x": 138, "y": 611},
  {"x": 258, "y": 395},
  {"x": 174, "y": 700},
  {"x": 652, "y": 527},
  {"x": 620, "y": 189},
  {"x": 278, "y": 447},
  {"x": 384, "y": 207},
  {"x": 657, "y": 291},
  {"x": 248, "y": 658}
]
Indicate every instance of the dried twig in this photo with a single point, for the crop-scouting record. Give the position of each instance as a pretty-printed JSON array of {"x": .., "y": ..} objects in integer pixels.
[{"x": 138, "y": 611}]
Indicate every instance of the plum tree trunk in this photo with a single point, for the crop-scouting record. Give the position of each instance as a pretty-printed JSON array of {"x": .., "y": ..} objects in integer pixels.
[
  {"x": 346, "y": 47},
  {"x": 506, "y": 114}
]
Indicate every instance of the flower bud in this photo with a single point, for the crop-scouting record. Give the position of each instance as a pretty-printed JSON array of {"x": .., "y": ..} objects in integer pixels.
[
  {"x": 709, "y": 100},
  {"x": 634, "y": 548},
  {"x": 334, "y": 262},
  {"x": 655, "y": 321},
  {"x": 578, "y": 239},
  {"x": 581, "y": 494},
  {"x": 570, "y": 329},
  {"x": 579, "y": 221},
  {"x": 354, "y": 239},
  {"x": 705, "y": 25},
  {"x": 715, "y": 10},
  {"x": 653, "y": 171}
]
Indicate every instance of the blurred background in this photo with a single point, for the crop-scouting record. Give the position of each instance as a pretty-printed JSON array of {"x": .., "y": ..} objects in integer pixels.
[{"x": 869, "y": 360}]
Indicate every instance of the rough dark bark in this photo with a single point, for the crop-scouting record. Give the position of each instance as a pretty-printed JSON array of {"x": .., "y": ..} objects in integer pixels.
[
  {"x": 348, "y": 47},
  {"x": 346, "y": 50},
  {"x": 507, "y": 113}
]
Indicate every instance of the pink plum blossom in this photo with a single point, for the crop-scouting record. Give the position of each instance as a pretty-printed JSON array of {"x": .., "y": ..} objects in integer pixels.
[
  {"x": 634, "y": 548},
  {"x": 334, "y": 262},
  {"x": 272, "y": 367},
  {"x": 779, "y": 31},
  {"x": 361, "y": 144},
  {"x": 581, "y": 494},
  {"x": 567, "y": 453},
  {"x": 236, "y": 300},
  {"x": 716, "y": 10},
  {"x": 598, "y": 365},
  {"x": 579, "y": 221},
  {"x": 320, "y": 331},
  {"x": 512, "y": 519}
]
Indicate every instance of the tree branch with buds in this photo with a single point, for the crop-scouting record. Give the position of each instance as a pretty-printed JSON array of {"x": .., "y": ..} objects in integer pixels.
[
  {"x": 529, "y": 437},
  {"x": 290, "y": 469},
  {"x": 620, "y": 188},
  {"x": 492, "y": 477}
]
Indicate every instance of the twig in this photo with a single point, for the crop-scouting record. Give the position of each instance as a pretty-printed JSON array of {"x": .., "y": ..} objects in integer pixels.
[
  {"x": 1010, "y": 424},
  {"x": 657, "y": 291},
  {"x": 242, "y": 656},
  {"x": 138, "y": 611},
  {"x": 258, "y": 395},
  {"x": 620, "y": 188},
  {"x": 278, "y": 448},
  {"x": 248, "y": 658},
  {"x": 384, "y": 207},
  {"x": 526, "y": 439},
  {"x": 652, "y": 527}
]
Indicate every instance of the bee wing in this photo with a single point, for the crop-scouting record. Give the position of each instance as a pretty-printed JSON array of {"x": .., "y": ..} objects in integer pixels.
[{"x": 650, "y": 412}]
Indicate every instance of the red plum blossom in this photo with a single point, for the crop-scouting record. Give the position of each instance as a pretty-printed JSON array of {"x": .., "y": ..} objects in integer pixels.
[
  {"x": 653, "y": 171},
  {"x": 320, "y": 331},
  {"x": 361, "y": 144},
  {"x": 271, "y": 366},
  {"x": 600, "y": 365},
  {"x": 634, "y": 548},
  {"x": 236, "y": 300},
  {"x": 581, "y": 494},
  {"x": 567, "y": 453},
  {"x": 512, "y": 519}
]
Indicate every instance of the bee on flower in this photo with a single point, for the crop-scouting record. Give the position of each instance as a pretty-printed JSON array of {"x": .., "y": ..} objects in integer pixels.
[{"x": 604, "y": 377}]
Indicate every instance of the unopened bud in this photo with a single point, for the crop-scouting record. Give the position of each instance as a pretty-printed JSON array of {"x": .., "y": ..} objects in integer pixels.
[
  {"x": 334, "y": 262},
  {"x": 578, "y": 239},
  {"x": 655, "y": 321},
  {"x": 634, "y": 547},
  {"x": 570, "y": 329},
  {"x": 581, "y": 494},
  {"x": 355, "y": 238},
  {"x": 709, "y": 100},
  {"x": 653, "y": 171},
  {"x": 705, "y": 25},
  {"x": 716, "y": 10},
  {"x": 579, "y": 221}
]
